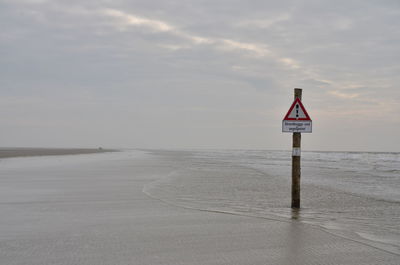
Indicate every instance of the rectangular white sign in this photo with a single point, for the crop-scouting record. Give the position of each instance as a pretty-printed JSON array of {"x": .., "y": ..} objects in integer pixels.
[{"x": 296, "y": 126}]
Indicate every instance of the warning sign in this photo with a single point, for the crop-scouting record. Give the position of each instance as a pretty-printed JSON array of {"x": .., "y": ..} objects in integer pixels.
[{"x": 297, "y": 119}]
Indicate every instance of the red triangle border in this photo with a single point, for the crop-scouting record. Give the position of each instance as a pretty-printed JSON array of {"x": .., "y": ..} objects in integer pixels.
[{"x": 297, "y": 100}]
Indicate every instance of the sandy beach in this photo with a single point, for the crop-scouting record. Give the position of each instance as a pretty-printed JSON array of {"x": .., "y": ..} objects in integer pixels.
[
  {"x": 92, "y": 210},
  {"x": 21, "y": 152}
]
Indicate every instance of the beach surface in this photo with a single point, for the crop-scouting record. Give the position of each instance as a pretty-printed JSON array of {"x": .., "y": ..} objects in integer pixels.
[
  {"x": 94, "y": 209},
  {"x": 21, "y": 152}
]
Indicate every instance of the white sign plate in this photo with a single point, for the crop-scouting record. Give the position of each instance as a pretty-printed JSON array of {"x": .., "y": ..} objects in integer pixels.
[{"x": 297, "y": 126}]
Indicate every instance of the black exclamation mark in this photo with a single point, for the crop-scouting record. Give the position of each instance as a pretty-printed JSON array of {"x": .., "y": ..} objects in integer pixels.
[{"x": 297, "y": 111}]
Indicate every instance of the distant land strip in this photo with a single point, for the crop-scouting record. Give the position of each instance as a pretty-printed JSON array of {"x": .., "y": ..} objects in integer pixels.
[{"x": 20, "y": 152}]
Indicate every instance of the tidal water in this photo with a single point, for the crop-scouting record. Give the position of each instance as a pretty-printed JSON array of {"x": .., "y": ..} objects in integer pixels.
[
  {"x": 355, "y": 195},
  {"x": 93, "y": 209}
]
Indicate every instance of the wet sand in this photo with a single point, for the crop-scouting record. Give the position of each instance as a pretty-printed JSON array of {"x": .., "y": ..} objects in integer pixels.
[
  {"x": 95, "y": 212},
  {"x": 21, "y": 152}
]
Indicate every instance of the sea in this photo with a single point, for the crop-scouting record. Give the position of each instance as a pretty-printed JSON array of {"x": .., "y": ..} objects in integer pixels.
[{"x": 355, "y": 195}]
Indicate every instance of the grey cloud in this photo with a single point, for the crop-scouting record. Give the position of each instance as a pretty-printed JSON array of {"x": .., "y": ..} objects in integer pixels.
[{"x": 156, "y": 66}]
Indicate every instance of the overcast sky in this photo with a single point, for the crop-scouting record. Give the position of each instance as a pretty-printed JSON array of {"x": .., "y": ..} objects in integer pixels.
[{"x": 199, "y": 74}]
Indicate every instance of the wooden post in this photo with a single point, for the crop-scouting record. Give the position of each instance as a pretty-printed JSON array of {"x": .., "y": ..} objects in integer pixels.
[{"x": 296, "y": 161}]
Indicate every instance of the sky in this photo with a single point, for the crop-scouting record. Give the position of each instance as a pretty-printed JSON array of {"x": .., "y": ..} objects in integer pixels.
[{"x": 199, "y": 74}]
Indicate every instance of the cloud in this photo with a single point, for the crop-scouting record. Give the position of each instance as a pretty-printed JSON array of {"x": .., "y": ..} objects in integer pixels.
[
  {"x": 256, "y": 49},
  {"x": 125, "y": 20},
  {"x": 290, "y": 62},
  {"x": 245, "y": 46},
  {"x": 27, "y": 1},
  {"x": 128, "y": 19},
  {"x": 265, "y": 23},
  {"x": 343, "y": 24},
  {"x": 142, "y": 60},
  {"x": 344, "y": 95}
]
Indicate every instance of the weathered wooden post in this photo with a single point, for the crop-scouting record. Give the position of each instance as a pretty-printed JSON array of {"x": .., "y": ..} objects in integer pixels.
[
  {"x": 296, "y": 152},
  {"x": 296, "y": 121}
]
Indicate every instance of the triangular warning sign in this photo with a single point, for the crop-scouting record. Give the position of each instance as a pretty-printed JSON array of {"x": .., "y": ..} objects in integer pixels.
[{"x": 297, "y": 112}]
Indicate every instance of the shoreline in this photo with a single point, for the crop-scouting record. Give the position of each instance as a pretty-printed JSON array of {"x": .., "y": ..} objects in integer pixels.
[
  {"x": 97, "y": 213},
  {"x": 28, "y": 152}
]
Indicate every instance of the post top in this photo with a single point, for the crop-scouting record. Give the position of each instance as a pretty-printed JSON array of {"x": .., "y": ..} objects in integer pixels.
[{"x": 297, "y": 93}]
